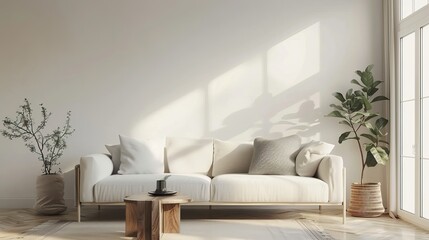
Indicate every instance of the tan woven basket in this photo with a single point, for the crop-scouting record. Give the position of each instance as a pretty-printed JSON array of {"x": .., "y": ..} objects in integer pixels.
[{"x": 365, "y": 200}]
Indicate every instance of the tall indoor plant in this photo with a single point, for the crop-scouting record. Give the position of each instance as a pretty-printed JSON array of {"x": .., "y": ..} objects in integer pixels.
[
  {"x": 48, "y": 147},
  {"x": 367, "y": 129}
]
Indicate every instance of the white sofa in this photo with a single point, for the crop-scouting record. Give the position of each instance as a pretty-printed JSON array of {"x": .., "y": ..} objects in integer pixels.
[{"x": 96, "y": 185}]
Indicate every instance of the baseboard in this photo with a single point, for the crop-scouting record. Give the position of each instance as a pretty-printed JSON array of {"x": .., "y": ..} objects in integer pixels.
[
  {"x": 27, "y": 202},
  {"x": 267, "y": 207}
]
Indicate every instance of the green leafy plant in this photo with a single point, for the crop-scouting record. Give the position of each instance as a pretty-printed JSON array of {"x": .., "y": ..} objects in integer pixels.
[
  {"x": 49, "y": 147},
  {"x": 367, "y": 127}
]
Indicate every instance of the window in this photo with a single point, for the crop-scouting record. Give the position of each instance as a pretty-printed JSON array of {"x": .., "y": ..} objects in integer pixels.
[{"x": 413, "y": 106}]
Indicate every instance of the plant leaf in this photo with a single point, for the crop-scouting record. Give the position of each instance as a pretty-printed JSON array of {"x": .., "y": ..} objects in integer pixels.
[
  {"x": 379, "y": 98},
  {"x": 379, "y": 155},
  {"x": 369, "y": 68},
  {"x": 370, "y": 137},
  {"x": 366, "y": 114},
  {"x": 349, "y": 93},
  {"x": 366, "y": 103},
  {"x": 366, "y": 79},
  {"x": 386, "y": 149},
  {"x": 376, "y": 83},
  {"x": 339, "y": 96},
  {"x": 354, "y": 81},
  {"x": 338, "y": 107},
  {"x": 358, "y": 72},
  {"x": 343, "y": 137},
  {"x": 381, "y": 123},
  {"x": 369, "y": 125},
  {"x": 336, "y": 114},
  {"x": 370, "y": 160},
  {"x": 372, "y": 91},
  {"x": 345, "y": 123},
  {"x": 372, "y": 115}
]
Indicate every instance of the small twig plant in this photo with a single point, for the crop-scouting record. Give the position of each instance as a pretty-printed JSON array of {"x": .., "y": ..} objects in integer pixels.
[{"x": 48, "y": 147}]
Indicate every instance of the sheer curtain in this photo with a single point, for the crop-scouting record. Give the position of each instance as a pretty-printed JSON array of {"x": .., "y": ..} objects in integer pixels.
[{"x": 390, "y": 89}]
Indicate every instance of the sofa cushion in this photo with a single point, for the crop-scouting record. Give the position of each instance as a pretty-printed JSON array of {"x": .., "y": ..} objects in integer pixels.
[
  {"x": 115, "y": 187},
  {"x": 268, "y": 188},
  {"x": 230, "y": 157},
  {"x": 275, "y": 156},
  {"x": 189, "y": 155},
  {"x": 115, "y": 152},
  {"x": 140, "y": 157},
  {"x": 308, "y": 159}
]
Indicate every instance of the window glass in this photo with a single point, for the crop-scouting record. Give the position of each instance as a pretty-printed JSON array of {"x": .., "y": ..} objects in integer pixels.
[
  {"x": 425, "y": 128},
  {"x": 425, "y": 188},
  {"x": 408, "y": 129},
  {"x": 408, "y": 64},
  {"x": 425, "y": 61},
  {"x": 419, "y": 4},
  {"x": 410, "y": 6},
  {"x": 408, "y": 182}
]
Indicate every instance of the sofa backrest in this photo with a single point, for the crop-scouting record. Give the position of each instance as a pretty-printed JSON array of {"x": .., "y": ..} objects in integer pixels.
[
  {"x": 210, "y": 157},
  {"x": 185, "y": 155},
  {"x": 231, "y": 157}
]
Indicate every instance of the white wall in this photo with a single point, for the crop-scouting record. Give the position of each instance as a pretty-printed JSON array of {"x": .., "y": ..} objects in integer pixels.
[{"x": 232, "y": 70}]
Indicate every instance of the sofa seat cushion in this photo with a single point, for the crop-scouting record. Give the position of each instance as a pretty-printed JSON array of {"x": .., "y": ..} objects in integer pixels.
[
  {"x": 115, "y": 187},
  {"x": 268, "y": 188}
]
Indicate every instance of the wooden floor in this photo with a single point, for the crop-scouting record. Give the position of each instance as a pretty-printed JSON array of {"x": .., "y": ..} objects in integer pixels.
[{"x": 15, "y": 222}]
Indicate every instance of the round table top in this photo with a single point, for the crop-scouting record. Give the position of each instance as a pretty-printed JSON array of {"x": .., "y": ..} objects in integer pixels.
[{"x": 143, "y": 197}]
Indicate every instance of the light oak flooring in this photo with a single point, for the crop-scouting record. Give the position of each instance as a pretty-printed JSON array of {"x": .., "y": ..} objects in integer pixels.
[{"x": 15, "y": 222}]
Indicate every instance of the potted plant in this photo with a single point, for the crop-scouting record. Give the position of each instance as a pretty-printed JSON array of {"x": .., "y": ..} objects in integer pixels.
[
  {"x": 48, "y": 148},
  {"x": 367, "y": 129}
]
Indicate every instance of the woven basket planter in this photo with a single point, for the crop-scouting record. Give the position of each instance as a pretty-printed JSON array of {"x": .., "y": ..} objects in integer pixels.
[{"x": 365, "y": 200}]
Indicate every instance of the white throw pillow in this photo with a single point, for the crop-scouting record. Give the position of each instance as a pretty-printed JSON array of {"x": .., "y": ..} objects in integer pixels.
[
  {"x": 115, "y": 152},
  {"x": 140, "y": 157},
  {"x": 230, "y": 157},
  {"x": 189, "y": 155},
  {"x": 309, "y": 157}
]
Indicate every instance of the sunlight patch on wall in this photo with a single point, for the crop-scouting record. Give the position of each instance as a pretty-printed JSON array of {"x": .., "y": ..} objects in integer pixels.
[
  {"x": 183, "y": 117},
  {"x": 301, "y": 118},
  {"x": 254, "y": 98},
  {"x": 294, "y": 60},
  {"x": 233, "y": 92}
]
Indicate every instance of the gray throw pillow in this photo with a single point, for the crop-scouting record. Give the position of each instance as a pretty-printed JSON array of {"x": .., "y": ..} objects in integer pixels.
[{"x": 276, "y": 156}]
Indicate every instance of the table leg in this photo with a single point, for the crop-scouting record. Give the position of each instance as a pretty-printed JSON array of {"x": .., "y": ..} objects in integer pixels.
[
  {"x": 171, "y": 218},
  {"x": 131, "y": 216},
  {"x": 138, "y": 220},
  {"x": 156, "y": 210},
  {"x": 144, "y": 222}
]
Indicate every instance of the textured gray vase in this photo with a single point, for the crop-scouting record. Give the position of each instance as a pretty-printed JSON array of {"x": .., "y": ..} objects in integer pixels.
[{"x": 50, "y": 194}]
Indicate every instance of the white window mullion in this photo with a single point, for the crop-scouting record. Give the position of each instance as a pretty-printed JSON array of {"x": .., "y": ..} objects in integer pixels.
[{"x": 418, "y": 122}]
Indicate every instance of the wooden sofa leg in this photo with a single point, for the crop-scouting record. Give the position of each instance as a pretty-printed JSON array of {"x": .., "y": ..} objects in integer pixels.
[
  {"x": 320, "y": 208},
  {"x": 77, "y": 187},
  {"x": 344, "y": 213},
  {"x": 78, "y": 211},
  {"x": 99, "y": 207},
  {"x": 344, "y": 196}
]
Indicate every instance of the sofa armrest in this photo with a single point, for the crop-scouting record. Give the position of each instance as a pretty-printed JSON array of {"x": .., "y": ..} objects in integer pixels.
[
  {"x": 93, "y": 168},
  {"x": 331, "y": 171}
]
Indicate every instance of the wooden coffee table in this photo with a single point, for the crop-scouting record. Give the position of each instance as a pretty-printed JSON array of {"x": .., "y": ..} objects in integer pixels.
[{"x": 148, "y": 217}]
